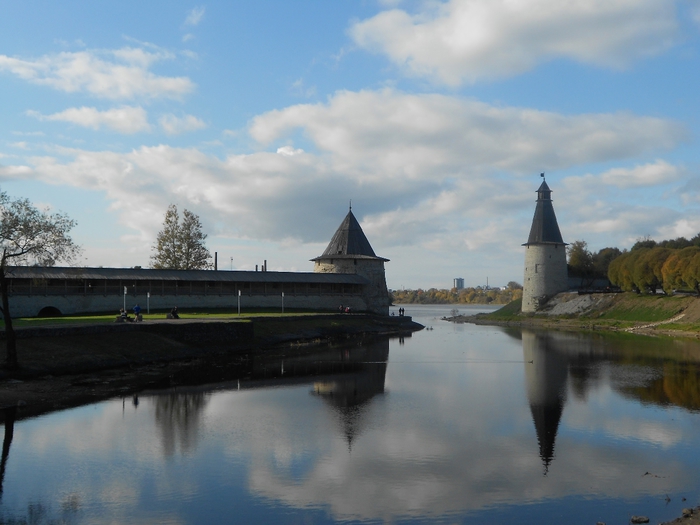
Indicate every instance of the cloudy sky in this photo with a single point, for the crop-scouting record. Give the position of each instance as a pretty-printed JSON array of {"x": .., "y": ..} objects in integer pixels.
[{"x": 435, "y": 117}]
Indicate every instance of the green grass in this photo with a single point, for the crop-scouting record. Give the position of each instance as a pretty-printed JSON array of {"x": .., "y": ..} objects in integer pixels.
[
  {"x": 230, "y": 315},
  {"x": 512, "y": 309},
  {"x": 643, "y": 308}
]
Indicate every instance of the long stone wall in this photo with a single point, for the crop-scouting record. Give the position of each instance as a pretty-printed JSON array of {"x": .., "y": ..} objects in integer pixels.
[{"x": 31, "y": 305}]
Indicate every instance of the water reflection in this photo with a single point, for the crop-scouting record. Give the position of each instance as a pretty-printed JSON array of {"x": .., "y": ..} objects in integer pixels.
[
  {"x": 546, "y": 373},
  {"x": 10, "y": 414},
  {"x": 178, "y": 420},
  {"x": 660, "y": 371},
  {"x": 477, "y": 425}
]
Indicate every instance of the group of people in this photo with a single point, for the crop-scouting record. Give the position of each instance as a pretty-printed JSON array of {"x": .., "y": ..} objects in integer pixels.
[
  {"x": 344, "y": 309},
  {"x": 124, "y": 316}
]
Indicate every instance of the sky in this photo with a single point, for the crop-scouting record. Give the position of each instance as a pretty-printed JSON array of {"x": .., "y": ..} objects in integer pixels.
[{"x": 434, "y": 118}]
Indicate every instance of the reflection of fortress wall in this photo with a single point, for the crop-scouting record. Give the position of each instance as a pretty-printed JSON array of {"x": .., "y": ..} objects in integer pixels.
[
  {"x": 546, "y": 380},
  {"x": 354, "y": 389},
  {"x": 346, "y": 378},
  {"x": 350, "y": 394}
]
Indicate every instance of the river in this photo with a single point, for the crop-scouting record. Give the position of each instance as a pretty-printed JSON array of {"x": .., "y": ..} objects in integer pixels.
[{"x": 454, "y": 424}]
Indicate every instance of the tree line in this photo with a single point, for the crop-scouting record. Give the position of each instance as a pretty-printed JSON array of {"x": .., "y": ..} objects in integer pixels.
[
  {"x": 476, "y": 295},
  {"x": 648, "y": 267}
]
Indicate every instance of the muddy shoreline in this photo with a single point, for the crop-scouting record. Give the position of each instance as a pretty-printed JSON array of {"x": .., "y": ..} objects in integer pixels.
[{"x": 69, "y": 366}]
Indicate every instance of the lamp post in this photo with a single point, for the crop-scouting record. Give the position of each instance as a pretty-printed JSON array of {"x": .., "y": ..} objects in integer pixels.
[
  {"x": 282, "y": 302},
  {"x": 148, "y": 302},
  {"x": 239, "y": 302},
  {"x": 125, "y": 289}
]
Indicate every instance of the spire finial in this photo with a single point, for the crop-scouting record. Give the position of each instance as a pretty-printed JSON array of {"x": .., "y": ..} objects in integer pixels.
[
  {"x": 542, "y": 175},
  {"x": 350, "y": 204}
]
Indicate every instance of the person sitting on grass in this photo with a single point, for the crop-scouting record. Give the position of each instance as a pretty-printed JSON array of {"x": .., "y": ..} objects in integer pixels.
[{"x": 174, "y": 314}]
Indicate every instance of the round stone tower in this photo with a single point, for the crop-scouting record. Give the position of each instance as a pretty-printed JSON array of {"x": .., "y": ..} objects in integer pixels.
[
  {"x": 350, "y": 252},
  {"x": 545, "y": 255}
]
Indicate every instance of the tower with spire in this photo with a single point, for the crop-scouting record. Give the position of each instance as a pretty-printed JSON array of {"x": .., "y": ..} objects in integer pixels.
[
  {"x": 350, "y": 252},
  {"x": 545, "y": 255}
]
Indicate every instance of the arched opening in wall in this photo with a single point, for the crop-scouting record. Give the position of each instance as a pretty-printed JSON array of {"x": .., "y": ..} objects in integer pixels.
[{"x": 49, "y": 311}]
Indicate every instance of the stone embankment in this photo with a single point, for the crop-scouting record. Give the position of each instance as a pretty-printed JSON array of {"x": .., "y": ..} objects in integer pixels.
[{"x": 71, "y": 365}]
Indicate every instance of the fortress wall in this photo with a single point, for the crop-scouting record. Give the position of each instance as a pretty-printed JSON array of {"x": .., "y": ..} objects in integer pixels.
[
  {"x": 31, "y": 305},
  {"x": 545, "y": 274}
]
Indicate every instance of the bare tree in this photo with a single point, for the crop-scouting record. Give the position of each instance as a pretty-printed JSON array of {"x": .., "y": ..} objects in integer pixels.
[
  {"x": 29, "y": 236},
  {"x": 180, "y": 244}
]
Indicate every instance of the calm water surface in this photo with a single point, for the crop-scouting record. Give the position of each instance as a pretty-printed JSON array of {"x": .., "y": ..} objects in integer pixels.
[{"x": 458, "y": 424}]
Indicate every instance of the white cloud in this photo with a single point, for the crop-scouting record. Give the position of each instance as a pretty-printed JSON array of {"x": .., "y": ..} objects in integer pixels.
[
  {"x": 439, "y": 173},
  {"x": 434, "y": 137},
  {"x": 656, "y": 174},
  {"x": 110, "y": 74},
  {"x": 468, "y": 40},
  {"x": 123, "y": 120},
  {"x": 173, "y": 125},
  {"x": 195, "y": 16},
  {"x": 289, "y": 151}
]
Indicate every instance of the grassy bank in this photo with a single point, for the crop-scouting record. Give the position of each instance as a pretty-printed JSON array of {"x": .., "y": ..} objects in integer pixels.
[
  {"x": 670, "y": 315},
  {"x": 213, "y": 314}
]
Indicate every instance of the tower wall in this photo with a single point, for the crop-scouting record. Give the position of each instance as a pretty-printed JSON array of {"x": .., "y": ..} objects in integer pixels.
[
  {"x": 545, "y": 274},
  {"x": 376, "y": 294}
]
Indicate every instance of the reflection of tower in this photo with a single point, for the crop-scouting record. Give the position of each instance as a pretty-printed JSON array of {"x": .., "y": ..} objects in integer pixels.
[
  {"x": 350, "y": 394},
  {"x": 545, "y": 376},
  {"x": 350, "y": 252},
  {"x": 546, "y": 273}
]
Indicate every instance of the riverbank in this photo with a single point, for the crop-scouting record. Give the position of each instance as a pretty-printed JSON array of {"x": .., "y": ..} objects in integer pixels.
[
  {"x": 64, "y": 366},
  {"x": 674, "y": 316}
]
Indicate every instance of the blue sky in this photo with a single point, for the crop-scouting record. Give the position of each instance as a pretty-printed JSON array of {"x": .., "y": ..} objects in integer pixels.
[{"x": 435, "y": 117}]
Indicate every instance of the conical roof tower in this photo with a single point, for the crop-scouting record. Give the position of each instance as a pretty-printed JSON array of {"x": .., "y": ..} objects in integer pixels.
[
  {"x": 350, "y": 252},
  {"x": 545, "y": 255},
  {"x": 545, "y": 228},
  {"x": 349, "y": 242}
]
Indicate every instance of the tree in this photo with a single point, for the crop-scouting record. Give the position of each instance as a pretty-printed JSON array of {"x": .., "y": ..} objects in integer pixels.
[
  {"x": 180, "y": 244},
  {"x": 580, "y": 259},
  {"x": 29, "y": 236},
  {"x": 602, "y": 260}
]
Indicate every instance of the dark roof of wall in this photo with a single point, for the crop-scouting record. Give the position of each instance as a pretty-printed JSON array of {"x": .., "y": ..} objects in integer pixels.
[
  {"x": 145, "y": 274},
  {"x": 349, "y": 242},
  {"x": 545, "y": 229}
]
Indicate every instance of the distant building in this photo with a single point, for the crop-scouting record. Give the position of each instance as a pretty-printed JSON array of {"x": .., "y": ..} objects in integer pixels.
[
  {"x": 458, "y": 283},
  {"x": 545, "y": 255}
]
